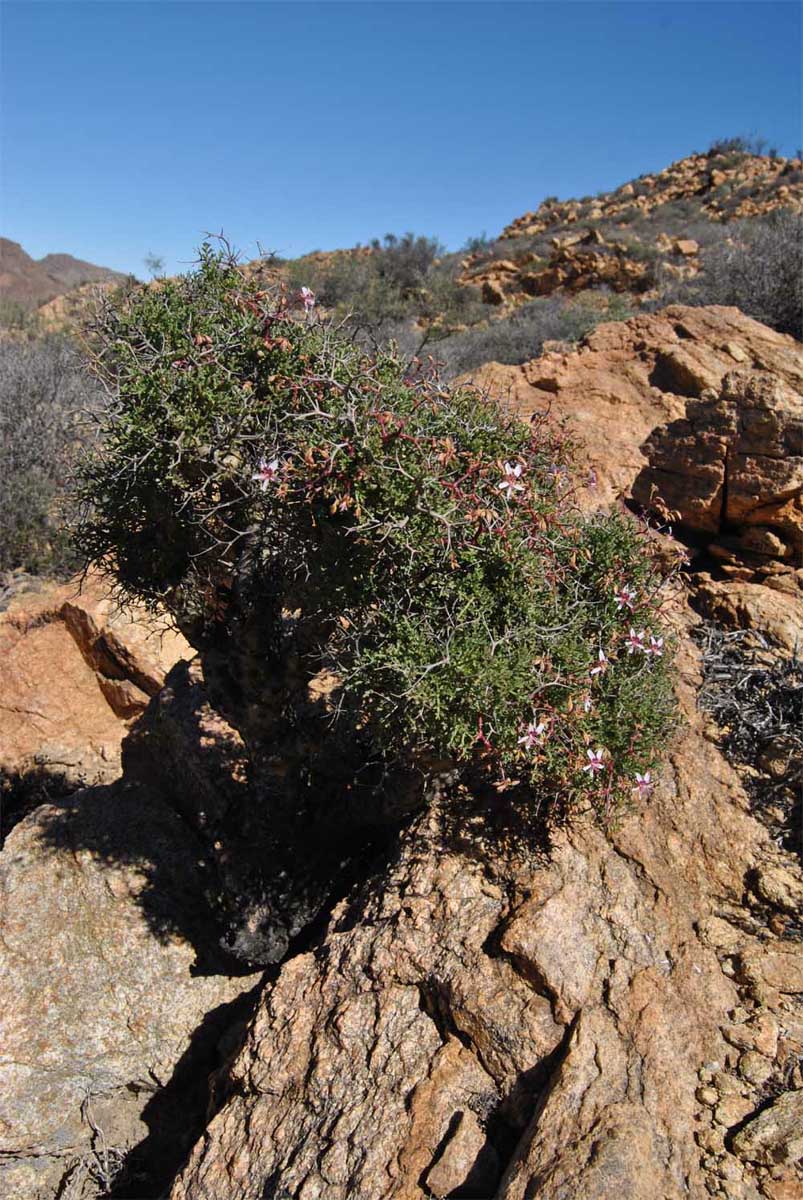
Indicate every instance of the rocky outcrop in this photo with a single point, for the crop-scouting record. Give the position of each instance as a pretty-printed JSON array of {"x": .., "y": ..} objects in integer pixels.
[
  {"x": 456, "y": 1009},
  {"x": 575, "y": 264},
  {"x": 115, "y": 995},
  {"x": 628, "y": 240},
  {"x": 484, "y": 1017},
  {"x": 696, "y": 413},
  {"x": 115, "y": 991},
  {"x": 76, "y": 670},
  {"x": 734, "y": 464},
  {"x": 738, "y": 185},
  {"x": 489, "y": 1023},
  {"x": 775, "y": 1136},
  {"x": 628, "y": 378}
]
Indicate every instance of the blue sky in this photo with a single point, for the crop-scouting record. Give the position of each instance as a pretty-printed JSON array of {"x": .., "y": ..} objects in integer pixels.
[{"x": 136, "y": 127}]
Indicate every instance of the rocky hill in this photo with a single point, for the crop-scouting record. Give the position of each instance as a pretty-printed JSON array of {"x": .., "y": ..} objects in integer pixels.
[
  {"x": 29, "y": 282},
  {"x": 656, "y": 225}
]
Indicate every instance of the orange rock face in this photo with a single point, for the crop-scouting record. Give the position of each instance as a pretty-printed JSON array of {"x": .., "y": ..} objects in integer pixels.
[
  {"x": 477, "y": 1024},
  {"x": 76, "y": 671},
  {"x": 698, "y": 413}
]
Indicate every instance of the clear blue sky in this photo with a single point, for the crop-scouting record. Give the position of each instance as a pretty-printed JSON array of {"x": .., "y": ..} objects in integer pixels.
[{"x": 136, "y": 127}]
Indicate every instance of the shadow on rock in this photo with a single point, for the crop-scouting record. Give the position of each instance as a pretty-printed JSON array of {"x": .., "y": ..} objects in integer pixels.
[
  {"x": 23, "y": 791},
  {"x": 241, "y": 852},
  {"x": 178, "y": 1113},
  {"x": 151, "y": 857}
]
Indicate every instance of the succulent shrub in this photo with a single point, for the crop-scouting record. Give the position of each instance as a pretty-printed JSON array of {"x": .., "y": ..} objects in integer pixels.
[{"x": 412, "y": 539}]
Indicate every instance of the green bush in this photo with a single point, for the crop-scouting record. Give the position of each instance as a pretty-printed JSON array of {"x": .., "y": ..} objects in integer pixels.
[
  {"x": 399, "y": 278},
  {"x": 44, "y": 392},
  {"x": 737, "y": 148},
  {"x": 757, "y": 268},
  {"x": 18, "y": 318},
  {"x": 259, "y": 468}
]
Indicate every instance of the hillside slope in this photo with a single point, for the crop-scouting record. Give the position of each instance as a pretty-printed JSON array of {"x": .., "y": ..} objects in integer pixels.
[{"x": 650, "y": 230}]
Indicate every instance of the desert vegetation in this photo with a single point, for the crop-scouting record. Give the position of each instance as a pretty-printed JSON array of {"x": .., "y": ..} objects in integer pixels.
[
  {"x": 756, "y": 266},
  {"x": 46, "y": 396},
  {"x": 409, "y": 293},
  {"x": 255, "y": 462}
]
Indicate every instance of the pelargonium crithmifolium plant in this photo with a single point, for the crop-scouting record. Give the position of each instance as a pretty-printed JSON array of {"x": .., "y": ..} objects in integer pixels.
[{"x": 427, "y": 545}]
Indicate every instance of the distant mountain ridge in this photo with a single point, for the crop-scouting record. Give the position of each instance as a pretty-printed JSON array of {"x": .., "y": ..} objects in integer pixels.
[{"x": 31, "y": 282}]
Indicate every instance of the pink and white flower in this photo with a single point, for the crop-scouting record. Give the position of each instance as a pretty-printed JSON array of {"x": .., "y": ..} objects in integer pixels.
[
  {"x": 533, "y": 735},
  {"x": 655, "y": 647},
  {"x": 595, "y": 762},
  {"x": 266, "y": 472},
  {"x": 510, "y": 483},
  {"x": 635, "y": 641},
  {"x": 307, "y": 298},
  {"x": 625, "y": 597},
  {"x": 588, "y": 704},
  {"x": 643, "y": 784},
  {"x": 601, "y": 667}
]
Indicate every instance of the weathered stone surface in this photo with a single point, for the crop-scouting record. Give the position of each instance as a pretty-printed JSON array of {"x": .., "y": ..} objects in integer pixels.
[
  {"x": 630, "y": 378},
  {"x": 76, "y": 670},
  {"x": 775, "y": 1136},
  {"x": 755, "y": 1068},
  {"x": 734, "y": 459},
  {"x": 281, "y": 848},
  {"x": 782, "y": 1189},
  {"x": 468, "y": 1162},
  {"x": 760, "y": 1033},
  {"x": 752, "y": 605},
  {"x": 781, "y": 970},
  {"x": 539, "y": 1026},
  {"x": 106, "y": 973},
  {"x": 781, "y": 886},
  {"x": 661, "y": 413},
  {"x": 764, "y": 182},
  {"x": 575, "y": 264}
]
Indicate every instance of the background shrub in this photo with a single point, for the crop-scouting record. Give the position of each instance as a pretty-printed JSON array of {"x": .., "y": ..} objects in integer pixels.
[
  {"x": 44, "y": 390},
  {"x": 520, "y": 336},
  {"x": 256, "y": 463},
  {"x": 741, "y": 146},
  {"x": 377, "y": 287},
  {"x": 758, "y": 268}
]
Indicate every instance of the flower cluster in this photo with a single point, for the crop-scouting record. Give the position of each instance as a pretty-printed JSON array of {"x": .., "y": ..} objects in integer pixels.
[{"x": 599, "y": 761}]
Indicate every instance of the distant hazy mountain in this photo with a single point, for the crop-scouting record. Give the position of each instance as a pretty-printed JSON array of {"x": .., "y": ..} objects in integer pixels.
[{"x": 31, "y": 283}]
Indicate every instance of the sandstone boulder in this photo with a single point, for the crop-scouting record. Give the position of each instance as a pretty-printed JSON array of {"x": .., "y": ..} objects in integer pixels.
[
  {"x": 697, "y": 413},
  {"x": 734, "y": 462},
  {"x": 107, "y": 972},
  {"x": 76, "y": 671},
  {"x": 751, "y": 604},
  {"x": 631, "y": 378}
]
